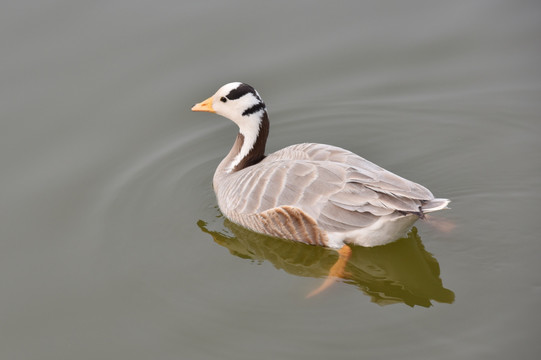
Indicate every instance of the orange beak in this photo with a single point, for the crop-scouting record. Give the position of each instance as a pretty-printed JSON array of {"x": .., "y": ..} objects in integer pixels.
[{"x": 204, "y": 106}]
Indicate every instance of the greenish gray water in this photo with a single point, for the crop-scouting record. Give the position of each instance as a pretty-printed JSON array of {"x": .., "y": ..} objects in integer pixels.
[{"x": 111, "y": 242}]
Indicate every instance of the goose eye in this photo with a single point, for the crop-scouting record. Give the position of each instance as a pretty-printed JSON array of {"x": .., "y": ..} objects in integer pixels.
[{"x": 223, "y": 99}]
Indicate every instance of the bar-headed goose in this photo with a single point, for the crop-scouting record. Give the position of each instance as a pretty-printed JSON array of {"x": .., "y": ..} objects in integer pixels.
[{"x": 314, "y": 193}]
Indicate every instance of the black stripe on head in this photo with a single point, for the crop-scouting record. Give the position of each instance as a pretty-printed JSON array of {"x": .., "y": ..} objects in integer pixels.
[
  {"x": 240, "y": 91},
  {"x": 254, "y": 109}
]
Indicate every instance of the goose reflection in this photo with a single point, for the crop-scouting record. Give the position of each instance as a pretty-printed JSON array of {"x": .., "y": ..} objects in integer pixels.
[{"x": 399, "y": 272}]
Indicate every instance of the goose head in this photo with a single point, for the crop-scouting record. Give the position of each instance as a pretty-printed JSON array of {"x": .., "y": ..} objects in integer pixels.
[{"x": 239, "y": 103}]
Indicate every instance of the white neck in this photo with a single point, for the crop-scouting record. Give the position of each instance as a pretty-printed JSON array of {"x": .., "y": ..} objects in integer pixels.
[
  {"x": 250, "y": 131},
  {"x": 248, "y": 149}
]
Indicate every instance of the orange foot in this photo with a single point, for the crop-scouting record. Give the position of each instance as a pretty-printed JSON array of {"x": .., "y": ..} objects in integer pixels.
[
  {"x": 442, "y": 225},
  {"x": 336, "y": 272}
]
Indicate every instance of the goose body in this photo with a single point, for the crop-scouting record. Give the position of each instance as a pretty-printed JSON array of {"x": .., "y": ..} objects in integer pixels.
[{"x": 313, "y": 193}]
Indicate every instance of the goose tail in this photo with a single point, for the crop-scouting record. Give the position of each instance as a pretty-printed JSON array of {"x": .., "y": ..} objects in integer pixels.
[{"x": 435, "y": 205}]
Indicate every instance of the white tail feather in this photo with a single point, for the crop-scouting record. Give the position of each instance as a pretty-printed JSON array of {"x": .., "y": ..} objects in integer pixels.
[{"x": 435, "y": 205}]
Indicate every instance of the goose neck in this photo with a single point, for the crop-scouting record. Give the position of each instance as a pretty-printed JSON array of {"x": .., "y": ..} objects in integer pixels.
[{"x": 248, "y": 149}]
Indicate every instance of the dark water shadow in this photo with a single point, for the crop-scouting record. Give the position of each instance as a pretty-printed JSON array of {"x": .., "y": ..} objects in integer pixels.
[{"x": 399, "y": 272}]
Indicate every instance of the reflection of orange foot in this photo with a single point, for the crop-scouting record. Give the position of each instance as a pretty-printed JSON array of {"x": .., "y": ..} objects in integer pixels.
[{"x": 336, "y": 272}]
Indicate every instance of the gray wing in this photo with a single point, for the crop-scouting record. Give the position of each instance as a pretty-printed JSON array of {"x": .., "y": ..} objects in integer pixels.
[{"x": 340, "y": 190}]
